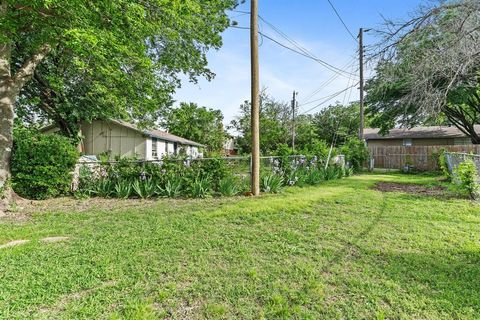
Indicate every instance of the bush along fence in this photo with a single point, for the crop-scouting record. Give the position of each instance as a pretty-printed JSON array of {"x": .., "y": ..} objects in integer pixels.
[
  {"x": 199, "y": 178},
  {"x": 463, "y": 170}
]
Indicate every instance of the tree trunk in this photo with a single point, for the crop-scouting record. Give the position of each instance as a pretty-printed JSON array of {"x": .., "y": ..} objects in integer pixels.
[
  {"x": 7, "y": 101},
  {"x": 10, "y": 87}
]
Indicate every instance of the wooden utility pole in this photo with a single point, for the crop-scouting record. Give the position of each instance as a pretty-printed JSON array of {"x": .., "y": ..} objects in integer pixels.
[
  {"x": 294, "y": 106},
  {"x": 255, "y": 112},
  {"x": 362, "y": 106}
]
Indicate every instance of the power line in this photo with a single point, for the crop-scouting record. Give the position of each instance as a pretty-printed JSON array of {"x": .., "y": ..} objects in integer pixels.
[
  {"x": 350, "y": 64},
  {"x": 342, "y": 21},
  {"x": 328, "y": 98},
  {"x": 318, "y": 60},
  {"x": 299, "y": 47}
]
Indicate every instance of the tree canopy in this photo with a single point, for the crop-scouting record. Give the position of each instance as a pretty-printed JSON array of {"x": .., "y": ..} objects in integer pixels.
[
  {"x": 428, "y": 69},
  {"x": 112, "y": 58},
  {"x": 275, "y": 124},
  {"x": 333, "y": 124},
  {"x": 196, "y": 123},
  {"x": 338, "y": 122},
  {"x": 117, "y": 58}
]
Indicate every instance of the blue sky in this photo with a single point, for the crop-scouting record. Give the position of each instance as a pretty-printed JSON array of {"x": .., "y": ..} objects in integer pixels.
[{"x": 312, "y": 24}]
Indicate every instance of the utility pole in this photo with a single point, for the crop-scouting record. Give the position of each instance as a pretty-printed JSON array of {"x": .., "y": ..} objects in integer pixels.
[
  {"x": 362, "y": 106},
  {"x": 255, "y": 111},
  {"x": 294, "y": 106}
]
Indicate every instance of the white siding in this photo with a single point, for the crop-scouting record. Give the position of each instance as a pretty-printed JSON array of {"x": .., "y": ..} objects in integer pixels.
[
  {"x": 170, "y": 148},
  {"x": 148, "y": 149}
]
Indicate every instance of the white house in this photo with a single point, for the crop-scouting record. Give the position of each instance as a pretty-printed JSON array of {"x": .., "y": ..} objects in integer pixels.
[{"x": 120, "y": 138}]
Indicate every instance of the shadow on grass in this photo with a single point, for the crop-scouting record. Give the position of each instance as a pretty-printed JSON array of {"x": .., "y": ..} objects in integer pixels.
[
  {"x": 446, "y": 281},
  {"x": 343, "y": 253}
]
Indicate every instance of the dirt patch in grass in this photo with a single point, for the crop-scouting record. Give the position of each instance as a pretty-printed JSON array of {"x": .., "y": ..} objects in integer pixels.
[
  {"x": 416, "y": 189},
  {"x": 13, "y": 243},
  {"x": 54, "y": 239},
  {"x": 65, "y": 300}
]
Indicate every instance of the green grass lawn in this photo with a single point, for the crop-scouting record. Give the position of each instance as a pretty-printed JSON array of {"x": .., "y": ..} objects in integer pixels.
[{"x": 338, "y": 250}]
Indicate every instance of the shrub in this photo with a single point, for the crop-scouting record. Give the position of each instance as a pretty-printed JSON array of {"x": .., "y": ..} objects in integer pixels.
[
  {"x": 171, "y": 189},
  {"x": 319, "y": 148},
  {"x": 332, "y": 173},
  {"x": 229, "y": 186},
  {"x": 314, "y": 177},
  {"x": 123, "y": 189},
  {"x": 42, "y": 165},
  {"x": 144, "y": 188},
  {"x": 356, "y": 153},
  {"x": 271, "y": 183},
  {"x": 467, "y": 175},
  {"x": 442, "y": 164},
  {"x": 348, "y": 172},
  {"x": 200, "y": 188}
]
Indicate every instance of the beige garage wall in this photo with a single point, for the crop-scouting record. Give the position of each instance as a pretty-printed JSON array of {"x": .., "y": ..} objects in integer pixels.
[{"x": 103, "y": 136}]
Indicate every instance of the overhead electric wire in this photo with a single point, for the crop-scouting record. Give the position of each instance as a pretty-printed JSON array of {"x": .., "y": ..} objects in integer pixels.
[
  {"x": 345, "y": 95},
  {"x": 328, "y": 98},
  {"x": 342, "y": 21},
  {"x": 299, "y": 47},
  {"x": 314, "y": 58},
  {"x": 327, "y": 82}
]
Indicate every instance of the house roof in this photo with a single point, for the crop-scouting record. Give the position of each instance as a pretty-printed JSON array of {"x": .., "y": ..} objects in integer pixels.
[
  {"x": 158, "y": 134},
  {"x": 417, "y": 132}
]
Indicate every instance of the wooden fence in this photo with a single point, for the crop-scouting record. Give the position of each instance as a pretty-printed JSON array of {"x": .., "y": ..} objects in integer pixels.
[{"x": 423, "y": 158}]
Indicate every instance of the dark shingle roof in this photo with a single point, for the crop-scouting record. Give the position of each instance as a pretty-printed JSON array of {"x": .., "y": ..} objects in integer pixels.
[
  {"x": 417, "y": 132},
  {"x": 162, "y": 135}
]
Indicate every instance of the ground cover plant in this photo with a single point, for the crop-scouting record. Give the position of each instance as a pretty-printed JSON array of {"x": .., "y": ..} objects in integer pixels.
[
  {"x": 201, "y": 178},
  {"x": 341, "y": 249}
]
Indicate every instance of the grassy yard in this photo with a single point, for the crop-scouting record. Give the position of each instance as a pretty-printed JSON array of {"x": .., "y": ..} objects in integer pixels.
[{"x": 339, "y": 250}]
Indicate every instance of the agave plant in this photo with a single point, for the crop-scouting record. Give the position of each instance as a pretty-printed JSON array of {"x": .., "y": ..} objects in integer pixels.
[
  {"x": 172, "y": 188},
  {"x": 229, "y": 186},
  {"x": 200, "y": 188},
  {"x": 144, "y": 188},
  {"x": 348, "y": 172},
  {"x": 104, "y": 187},
  {"x": 314, "y": 177},
  {"x": 271, "y": 183},
  {"x": 123, "y": 189}
]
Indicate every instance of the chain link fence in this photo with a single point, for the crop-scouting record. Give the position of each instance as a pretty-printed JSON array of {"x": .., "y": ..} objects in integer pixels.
[
  {"x": 454, "y": 159},
  {"x": 238, "y": 166},
  {"x": 404, "y": 162}
]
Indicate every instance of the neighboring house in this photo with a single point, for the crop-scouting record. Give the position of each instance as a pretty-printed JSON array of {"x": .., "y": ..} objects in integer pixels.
[
  {"x": 229, "y": 148},
  {"x": 418, "y": 136},
  {"x": 119, "y": 138}
]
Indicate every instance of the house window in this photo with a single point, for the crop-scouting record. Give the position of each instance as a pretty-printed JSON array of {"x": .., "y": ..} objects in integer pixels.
[
  {"x": 407, "y": 142},
  {"x": 154, "y": 148},
  {"x": 166, "y": 147}
]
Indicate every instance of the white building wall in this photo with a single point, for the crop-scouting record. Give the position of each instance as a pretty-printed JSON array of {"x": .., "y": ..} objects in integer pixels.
[
  {"x": 161, "y": 149},
  {"x": 148, "y": 149},
  {"x": 170, "y": 148}
]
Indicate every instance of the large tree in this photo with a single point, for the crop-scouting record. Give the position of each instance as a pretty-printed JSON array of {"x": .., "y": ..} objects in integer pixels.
[
  {"x": 429, "y": 66},
  {"x": 275, "y": 124},
  {"x": 337, "y": 122},
  {"x": 196, "y": 123},
  {"x": 103, "y": 44}
]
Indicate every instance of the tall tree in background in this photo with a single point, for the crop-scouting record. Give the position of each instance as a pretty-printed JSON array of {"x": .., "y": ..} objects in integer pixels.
[
  {"x": 275, "y": 124},
  {"x": 196, "y": 123},
  {"x": 429, "y": 66},
  {"x": 338, "y": 122},
  {"x": 109, "y": 43}
]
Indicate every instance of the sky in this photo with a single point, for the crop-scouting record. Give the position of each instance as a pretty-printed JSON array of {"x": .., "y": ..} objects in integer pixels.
[{"x": 314, "y": 26}]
